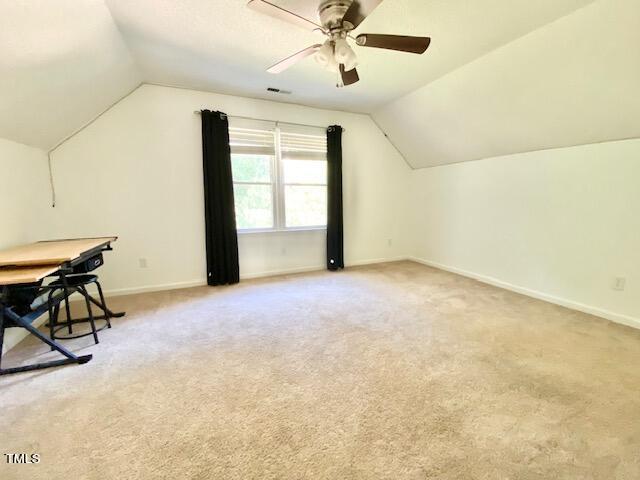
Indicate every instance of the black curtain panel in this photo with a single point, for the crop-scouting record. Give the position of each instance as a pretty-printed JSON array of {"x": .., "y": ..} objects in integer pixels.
[
  {"x": 220, "y": 216},
  {"x": 335, "y": 247}
]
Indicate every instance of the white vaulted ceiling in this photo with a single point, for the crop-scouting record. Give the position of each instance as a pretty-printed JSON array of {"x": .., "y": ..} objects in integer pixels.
[
  {"x": 500, "y": 76},
  {"x": 220, "y": 45},
  {"x": 61, "y": 63},
  {"x": 573, "y": 82}
]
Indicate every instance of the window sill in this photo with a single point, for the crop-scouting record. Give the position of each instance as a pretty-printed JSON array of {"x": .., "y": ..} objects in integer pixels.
[{"x": 280, "y": 230}]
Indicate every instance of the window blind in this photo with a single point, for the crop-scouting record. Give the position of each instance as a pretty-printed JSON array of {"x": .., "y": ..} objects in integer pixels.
[
  {"x": 250, "y": 141},
  {"x": 258, "y": 137},
  {"x": 303, "y": 146}
]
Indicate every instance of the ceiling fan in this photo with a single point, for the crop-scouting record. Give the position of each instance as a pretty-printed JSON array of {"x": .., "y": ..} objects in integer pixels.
[{"x": 337, "y": 18}]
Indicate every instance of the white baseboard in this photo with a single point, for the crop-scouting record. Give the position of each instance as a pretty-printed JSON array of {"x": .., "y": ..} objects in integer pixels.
[
  {"x": 373, "y": 261},
  {"x": 599, "y": 312},
  {"x": 285, "y": 271},
  {"x": 317, "y": 268},
  {"x": 246, "y": 276},
  {"x": 117, "y": 292}
]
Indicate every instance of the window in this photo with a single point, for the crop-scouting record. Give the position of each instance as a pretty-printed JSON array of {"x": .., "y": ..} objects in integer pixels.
[{"x": 279, "y": 176}]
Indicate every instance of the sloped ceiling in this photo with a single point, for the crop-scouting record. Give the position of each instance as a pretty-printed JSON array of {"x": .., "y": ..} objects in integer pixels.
[
  {"x": 61, "y": 63},
  {"x": 499, "y": 77},
  {"x": 222, "y": 46},
  {"x": 572, "y": 82}
]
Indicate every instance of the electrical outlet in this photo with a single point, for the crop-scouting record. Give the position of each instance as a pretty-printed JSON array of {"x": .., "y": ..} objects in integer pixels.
[
  {"x": 389, "y": 242},
  {"x": 142, "y": 262},
  {"x": 619, "y": 283}
]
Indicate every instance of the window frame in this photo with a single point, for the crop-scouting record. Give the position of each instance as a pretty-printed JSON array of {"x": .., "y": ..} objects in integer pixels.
[{"x": 278, "y": 185}]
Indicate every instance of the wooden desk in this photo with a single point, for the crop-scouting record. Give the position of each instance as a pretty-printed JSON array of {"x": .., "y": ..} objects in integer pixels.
[
  {"x": 53, "y": 252},
  {"x": 23, "y": 268},
  {"x": 21, "y": 275}
]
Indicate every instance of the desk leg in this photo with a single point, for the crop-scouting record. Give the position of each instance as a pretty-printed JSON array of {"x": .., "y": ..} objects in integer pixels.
[
  {"x": 71, "y": 358},
  {"x": 45, "y": 339}
]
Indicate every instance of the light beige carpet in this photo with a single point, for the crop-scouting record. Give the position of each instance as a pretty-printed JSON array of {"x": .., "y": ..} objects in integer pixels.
[{"x": 394, "y": 371}]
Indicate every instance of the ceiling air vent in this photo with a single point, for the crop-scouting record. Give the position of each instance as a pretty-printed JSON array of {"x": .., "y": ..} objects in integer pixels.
[{"x": 277, "y": 90}]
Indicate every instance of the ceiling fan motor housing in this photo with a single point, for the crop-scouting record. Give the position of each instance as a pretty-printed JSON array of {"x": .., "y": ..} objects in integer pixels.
[{"x": 331, "y": 13}]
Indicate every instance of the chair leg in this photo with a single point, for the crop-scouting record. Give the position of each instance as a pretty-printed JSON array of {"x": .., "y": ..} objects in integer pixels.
[
  {"x": 85, "y": 294},
  {"x": 56, "y": 314},
  {"x": 68, "y": 310},
  {"x": 107, "y": 315},
  {"x": 51, "y": 321}
]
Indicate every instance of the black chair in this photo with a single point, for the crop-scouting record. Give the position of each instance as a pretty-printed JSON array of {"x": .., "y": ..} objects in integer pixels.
[{"x": 76, "y": 283}]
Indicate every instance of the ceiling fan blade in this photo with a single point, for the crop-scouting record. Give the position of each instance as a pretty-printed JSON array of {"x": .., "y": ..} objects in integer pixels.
[
  {"x": 293, "y": 59},
  {"x": 359, "y": 10},
  {"x": 350, "y": 77},
  {"x": 394, "y": 42},
  {"x": 280, "y": 13}
]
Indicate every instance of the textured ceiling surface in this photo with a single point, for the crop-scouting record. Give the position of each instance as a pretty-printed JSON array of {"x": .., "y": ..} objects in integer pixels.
[
  {"x": 223, "y": 46},
  {"x": 500, "y": 76}
]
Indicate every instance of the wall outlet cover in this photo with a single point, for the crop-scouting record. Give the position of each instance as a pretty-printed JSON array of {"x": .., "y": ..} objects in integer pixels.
[{"x": 619, "y": 283}]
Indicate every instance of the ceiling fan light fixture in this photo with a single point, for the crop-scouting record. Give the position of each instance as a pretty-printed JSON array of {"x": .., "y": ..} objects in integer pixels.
[
  {"x": 345, "y": 55},
  {"x": 333, "y": 66},
  {"x": 338, "y": 18},
  {"x": 325, "y": 55}
]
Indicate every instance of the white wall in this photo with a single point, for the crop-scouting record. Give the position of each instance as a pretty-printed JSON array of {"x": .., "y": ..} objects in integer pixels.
[
  {"x": 558, "y": 224},
  {"x": 137, "y": 173},
  {"x": 24, "y": 199},
  {"x": 24, "y": 192}
]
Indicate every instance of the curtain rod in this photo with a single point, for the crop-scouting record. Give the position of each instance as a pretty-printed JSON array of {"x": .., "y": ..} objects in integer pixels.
[{"x": 197, "y": 112}]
